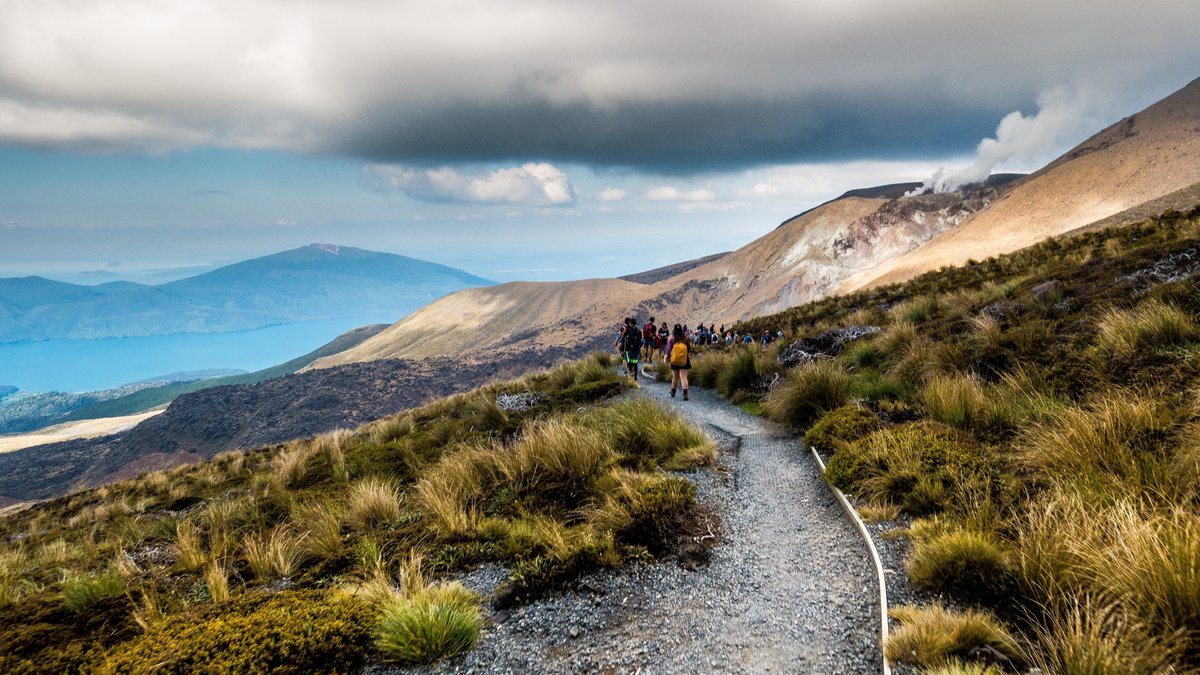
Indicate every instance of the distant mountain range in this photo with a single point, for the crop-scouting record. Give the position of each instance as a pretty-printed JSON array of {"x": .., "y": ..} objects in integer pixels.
[{"x": 319, "y": 281}]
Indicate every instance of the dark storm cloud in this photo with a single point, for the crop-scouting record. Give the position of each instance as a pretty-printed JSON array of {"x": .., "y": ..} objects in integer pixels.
[
  {"x": 665, "y": 85},
  {"x": 677, "y": 137}
]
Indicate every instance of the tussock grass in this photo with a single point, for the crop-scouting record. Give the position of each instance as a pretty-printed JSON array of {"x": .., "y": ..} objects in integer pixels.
[
  {"x": 808, "y": 392},
  {"x": 957, "y": 667},
  {"x": 1089, "y": 637},
  {"x": 290, "y": 465},
  {"x": 963, "y": 562},
  {"x": 1113, "y": 439},
  {"x": 429, "y": 624},
  {"x": 217, "y": 578},
  {"x": 276, "y": 554},
  {"x": 1151, "y": 326},
  {"x": 332, "y": 446},
  {"x": 324, "y": 525},
  {"x": 1152, "y": 564},
  {"x": 189, "y": 545},
  {"x": 372, "y": 502},
  {"x": 931, "y": 636},
  {"x": 81, "y": 592},
  {"x": 915, "y": 310},
  {"x": 957, "y": 400},
  {"x": 708, "y": 367},
  {"x": 741, "y": 374},
  {"x": 648, "y": 432}
]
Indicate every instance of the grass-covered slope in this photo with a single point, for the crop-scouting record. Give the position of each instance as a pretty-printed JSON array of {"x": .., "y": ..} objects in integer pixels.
[
  {"x": 318, "y": 555},
  {"x": 1037, "y": 413}
]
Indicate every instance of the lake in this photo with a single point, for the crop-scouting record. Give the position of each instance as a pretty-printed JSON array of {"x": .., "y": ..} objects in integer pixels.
[{"x": 91, "y": 365}]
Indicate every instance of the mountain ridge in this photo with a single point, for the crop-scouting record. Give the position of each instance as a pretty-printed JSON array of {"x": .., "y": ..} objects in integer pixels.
[
  {"x": 318, "y": 281},
  {"x": 866, "y": 237}
]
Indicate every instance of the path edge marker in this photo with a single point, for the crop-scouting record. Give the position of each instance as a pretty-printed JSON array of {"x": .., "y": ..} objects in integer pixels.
[{"x": 866, "y": 535}]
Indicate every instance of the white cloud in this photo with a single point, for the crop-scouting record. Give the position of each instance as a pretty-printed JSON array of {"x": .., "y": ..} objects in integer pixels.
[
  {"x": 531, "y": 183},
  {"x": 667, "y": 193},
  {"x": 611, "y": 194}
]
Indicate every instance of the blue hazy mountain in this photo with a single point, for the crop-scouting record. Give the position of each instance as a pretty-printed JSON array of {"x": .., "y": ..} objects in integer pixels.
[{"x": 314, "y": 282}]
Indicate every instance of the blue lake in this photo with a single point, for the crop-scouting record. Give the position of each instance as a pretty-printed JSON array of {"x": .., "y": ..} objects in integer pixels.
[{"x": 90, "y": 365}]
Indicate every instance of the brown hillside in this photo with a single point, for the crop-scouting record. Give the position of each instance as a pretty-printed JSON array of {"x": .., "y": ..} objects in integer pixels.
[{"x": 1138, "y": 159}]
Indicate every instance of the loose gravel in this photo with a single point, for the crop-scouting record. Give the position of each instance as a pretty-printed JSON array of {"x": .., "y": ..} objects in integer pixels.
[{"x": 789, "y": 587}]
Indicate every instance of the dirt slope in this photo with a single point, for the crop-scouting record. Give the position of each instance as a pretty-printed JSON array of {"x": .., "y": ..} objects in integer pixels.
[{"x": 1138, "y": 159}]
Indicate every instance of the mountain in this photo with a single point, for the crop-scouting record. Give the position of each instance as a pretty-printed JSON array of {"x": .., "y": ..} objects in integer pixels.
[
  {"x": 319, "y": 281},
  {"x": 1140, "y": 159},
  {"x": 863, "y": 238}
]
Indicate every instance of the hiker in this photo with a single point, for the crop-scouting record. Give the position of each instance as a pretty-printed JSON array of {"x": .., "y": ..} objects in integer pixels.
[
  {"x": 648, "y": 331},
  {"x": 664, "y": 334},
  {"x": 631, "y": 346},
  {"x": 679, "y": 359}
]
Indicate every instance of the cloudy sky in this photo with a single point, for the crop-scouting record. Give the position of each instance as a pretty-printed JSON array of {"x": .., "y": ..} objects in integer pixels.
[{"x": 537, "y": 139}]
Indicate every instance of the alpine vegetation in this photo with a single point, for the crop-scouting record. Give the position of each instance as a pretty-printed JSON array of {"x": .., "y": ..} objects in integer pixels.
[
  {"x": 332, "y": 552},
  {"x": 1036, "y": 414}
]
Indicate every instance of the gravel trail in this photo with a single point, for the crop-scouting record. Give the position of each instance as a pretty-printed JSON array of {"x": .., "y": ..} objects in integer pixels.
[{"x": 789, "y": 589}]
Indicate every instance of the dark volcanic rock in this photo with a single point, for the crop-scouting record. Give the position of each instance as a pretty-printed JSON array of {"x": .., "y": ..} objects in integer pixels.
[{"x": 823, "y": 345}]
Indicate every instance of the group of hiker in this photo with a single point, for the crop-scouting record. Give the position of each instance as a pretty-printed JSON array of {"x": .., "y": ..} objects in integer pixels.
[{"x": 634, "y": 343}]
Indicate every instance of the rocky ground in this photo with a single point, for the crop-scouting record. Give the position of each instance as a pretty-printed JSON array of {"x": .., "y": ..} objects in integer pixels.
[{"x": 789, "y": 587}]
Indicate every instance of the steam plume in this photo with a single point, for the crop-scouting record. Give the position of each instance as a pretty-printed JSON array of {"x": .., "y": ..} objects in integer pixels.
[{"x": 1062, "y": 116}]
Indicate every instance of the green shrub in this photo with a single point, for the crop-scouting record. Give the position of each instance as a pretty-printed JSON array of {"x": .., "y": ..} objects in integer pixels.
[
  {"x": 289, "y": 632},
  {"x": 840, "y": 426},
  {"x": 429, "y": 625},
  {"x": 808, "y": 392}
]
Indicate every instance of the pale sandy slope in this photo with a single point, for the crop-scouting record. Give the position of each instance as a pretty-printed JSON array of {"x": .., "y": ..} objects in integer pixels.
[
  {"x": 796, "y": 262},
  {"x": 1138, "y": 159},
  {"x": 72, "y": 430}
]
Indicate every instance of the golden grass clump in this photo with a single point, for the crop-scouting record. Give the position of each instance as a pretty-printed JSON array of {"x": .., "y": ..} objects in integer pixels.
[
  {"x": 276, "y": 554},
  {"x": 189, "y": 545},
  {"x": 371, "y": 502},
  {"x": 1151, "y": 326},
  {"x": 957, "y": 399},
  {"x": 332, "y": 446},
  {"x": 1118, "y": 438},
  {"x": 1152, "y": 564},
  {"x": 290, "y": 465},
  {"x": 807, "y": 392},
  {"x": 1089, "y": 636},
  {"x": 931, "y": 636},
  {"x": 217, "y": 579}
]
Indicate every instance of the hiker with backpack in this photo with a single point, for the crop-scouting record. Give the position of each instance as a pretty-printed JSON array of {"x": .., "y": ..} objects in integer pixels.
[
  {"x": 679, "y": 359},
  {"x": 631, "y": 346},
  {"x": 648, "y": 331}
]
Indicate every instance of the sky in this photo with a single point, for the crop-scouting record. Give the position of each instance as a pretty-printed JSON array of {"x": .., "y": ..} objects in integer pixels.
[{"x": 527, "y": 139}]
